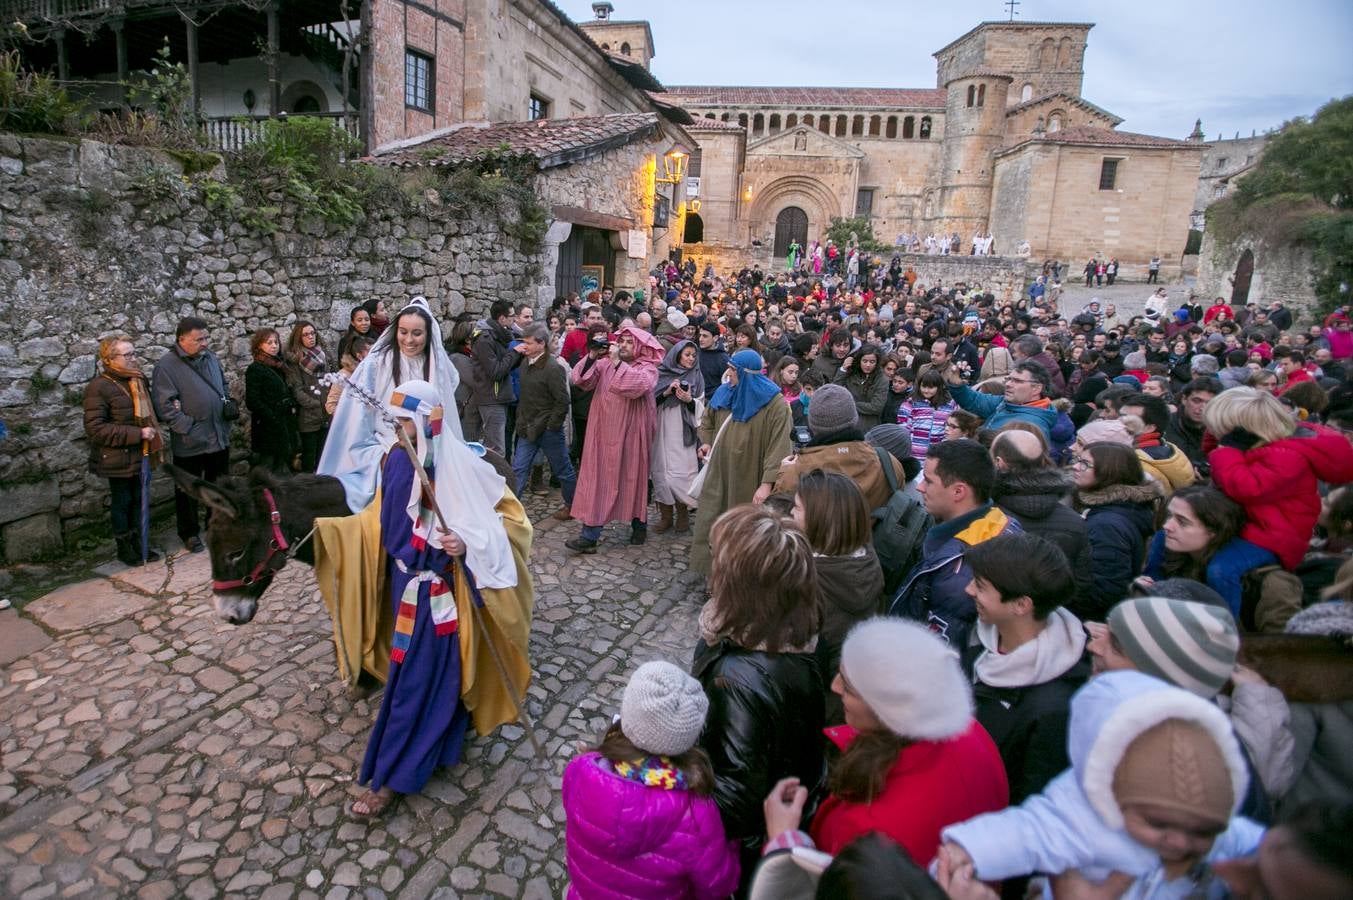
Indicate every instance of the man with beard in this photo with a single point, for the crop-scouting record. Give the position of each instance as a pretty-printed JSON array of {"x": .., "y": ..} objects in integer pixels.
[{"x": 613, "y": 481}]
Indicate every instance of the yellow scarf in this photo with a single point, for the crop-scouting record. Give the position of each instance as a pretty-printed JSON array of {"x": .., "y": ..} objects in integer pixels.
[{"x": 142, "y": 409}]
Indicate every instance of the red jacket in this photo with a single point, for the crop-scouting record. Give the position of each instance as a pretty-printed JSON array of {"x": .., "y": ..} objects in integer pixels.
[
  {"x": 1277, "y": 486},
  {"x": 933, "y": 784}
]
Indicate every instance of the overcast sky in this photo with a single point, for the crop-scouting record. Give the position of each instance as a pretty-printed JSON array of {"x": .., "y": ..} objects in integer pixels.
[{"x": 1160, "y": 64}]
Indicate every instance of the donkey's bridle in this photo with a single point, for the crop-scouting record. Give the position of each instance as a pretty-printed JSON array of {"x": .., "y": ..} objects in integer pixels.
[{"x": 276, "y": 545}]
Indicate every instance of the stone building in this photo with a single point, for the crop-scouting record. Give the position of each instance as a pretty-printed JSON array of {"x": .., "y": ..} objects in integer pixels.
[
  {"x": 1225, "y": 161},
  {"x": 1003, "y": 144}
]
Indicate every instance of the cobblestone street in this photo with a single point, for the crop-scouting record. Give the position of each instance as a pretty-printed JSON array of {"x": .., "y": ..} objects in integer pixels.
[{"x": 163, "y": 753}]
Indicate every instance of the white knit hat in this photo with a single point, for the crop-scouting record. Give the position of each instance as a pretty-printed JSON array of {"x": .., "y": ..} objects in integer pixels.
[
  {"x": 910, "y": 679},
  {"x": 663, "y": 710}
]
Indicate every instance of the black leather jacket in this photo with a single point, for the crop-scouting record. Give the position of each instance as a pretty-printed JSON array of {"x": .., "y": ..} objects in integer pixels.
[{"x": 765, "y": 723}]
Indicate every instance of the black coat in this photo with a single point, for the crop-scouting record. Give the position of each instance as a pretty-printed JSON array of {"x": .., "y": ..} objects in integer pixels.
[
  {"x": 1035, "y": 499},
  {"x": 1119, "y": 521},
  {"x": 851, "y": 588},
  {"x": 1028, "y": 724},
  {"x": 275, "y": 430},
  {"x": 765, "y": 723}
]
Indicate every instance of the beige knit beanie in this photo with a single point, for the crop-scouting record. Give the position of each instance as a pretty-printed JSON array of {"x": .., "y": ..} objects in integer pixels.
[{"x": 1176, "y": 765}]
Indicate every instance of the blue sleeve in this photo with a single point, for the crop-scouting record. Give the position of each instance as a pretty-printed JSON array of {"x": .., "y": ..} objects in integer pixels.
[{"x": 976, "y": 402}]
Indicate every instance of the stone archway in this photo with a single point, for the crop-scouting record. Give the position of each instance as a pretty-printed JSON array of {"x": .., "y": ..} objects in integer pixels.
[
  {"x": 1240, "y": 282},
  {"x": 790, "y": 225},
  {"x": 808, "y": 194}
]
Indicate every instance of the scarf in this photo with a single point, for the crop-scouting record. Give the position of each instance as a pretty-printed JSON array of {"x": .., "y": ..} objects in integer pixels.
[
  {"x": 312, "y": 360},
  {"x": 142, "y": 409},
  {"x": 669, "y": 371},
  {"x": 753, "y": 390},
  {"x": 274, "y": 362},
  {"x": 652, "y": 771},
  {"x": 1149, "y": 439},
  {"x": 1050, "y": 655}
]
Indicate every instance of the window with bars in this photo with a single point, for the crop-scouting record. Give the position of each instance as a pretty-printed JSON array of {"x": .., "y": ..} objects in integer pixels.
[
  {"x": 1108, "y": 174},
  {"x": 537, "y": 108},
  {"x": 864, "y": 202},
  {"x": 418, "y": 80}
]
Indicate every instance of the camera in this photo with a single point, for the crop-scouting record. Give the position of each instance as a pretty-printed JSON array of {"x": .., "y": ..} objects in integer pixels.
[
  {"x": 684, "y": 385},
  {"x": 599, "y": 341},
  {"x": 801, "y": 436}
]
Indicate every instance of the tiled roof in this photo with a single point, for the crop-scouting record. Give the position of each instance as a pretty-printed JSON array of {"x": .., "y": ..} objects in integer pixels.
[
  {"x": 831, "y": 97},
  {"x": 1069, "y": 98},
  {"x": 1085, "y": 134},
  {"x": 713, "y": 125},
  {"x": 553, "y": 142}
]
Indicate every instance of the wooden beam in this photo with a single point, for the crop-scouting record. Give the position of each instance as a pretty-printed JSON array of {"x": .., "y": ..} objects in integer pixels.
[
  {"x": 119, "y": 26},
  {"x": 366, "y": 78},
  {"x": 62, "y": 57},
  {"x": 193, "y": 79},
  {"x": 274, "y": 43}
]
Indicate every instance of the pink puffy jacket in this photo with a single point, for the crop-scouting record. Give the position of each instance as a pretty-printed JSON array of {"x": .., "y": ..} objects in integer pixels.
[{"x": 626, "y": 840}]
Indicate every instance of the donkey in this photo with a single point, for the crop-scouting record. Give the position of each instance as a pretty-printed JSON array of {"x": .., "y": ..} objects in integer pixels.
[{"x": 255, "y": 520}]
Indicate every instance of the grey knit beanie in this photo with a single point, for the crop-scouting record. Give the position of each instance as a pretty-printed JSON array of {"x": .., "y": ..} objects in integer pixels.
[
  {"x": 663, "y": 710},
  {"x": 1189, "y": 645},
  {"x": 832, "y": 409}
]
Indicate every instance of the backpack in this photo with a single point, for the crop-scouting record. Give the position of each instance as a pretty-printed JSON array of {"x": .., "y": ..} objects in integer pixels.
[
  {"x": 900, "y": 526},
  {"x": 1270, "y": 595}
]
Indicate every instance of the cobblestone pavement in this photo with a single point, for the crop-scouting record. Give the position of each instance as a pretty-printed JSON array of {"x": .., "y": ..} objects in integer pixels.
[{"x": 163, "y": 753}]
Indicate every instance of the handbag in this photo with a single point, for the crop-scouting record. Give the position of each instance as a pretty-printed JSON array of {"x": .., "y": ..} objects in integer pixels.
[
  {"x": 230, "y": 410},
  {"x": 698, "y": 482}
]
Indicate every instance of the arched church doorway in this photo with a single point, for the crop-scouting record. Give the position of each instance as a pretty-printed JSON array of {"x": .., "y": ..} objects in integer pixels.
[
  {"x": 1240, "y": 282},
  {"x": 790, "y": 225},
  {"x": 695, "y": 229}
]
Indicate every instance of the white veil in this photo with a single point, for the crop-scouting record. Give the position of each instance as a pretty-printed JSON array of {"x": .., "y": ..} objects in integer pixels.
[{"x": 358, "y": 438}]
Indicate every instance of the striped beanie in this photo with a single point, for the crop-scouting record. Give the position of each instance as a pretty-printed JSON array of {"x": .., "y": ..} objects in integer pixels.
[{"x": 1189, "y": 645}]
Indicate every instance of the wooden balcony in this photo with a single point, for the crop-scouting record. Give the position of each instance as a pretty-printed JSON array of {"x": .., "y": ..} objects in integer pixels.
[{"x": 229, "y": 133}]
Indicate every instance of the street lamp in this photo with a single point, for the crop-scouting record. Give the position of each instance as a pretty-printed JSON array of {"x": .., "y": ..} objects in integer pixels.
[{"x": 674, "y": 167}]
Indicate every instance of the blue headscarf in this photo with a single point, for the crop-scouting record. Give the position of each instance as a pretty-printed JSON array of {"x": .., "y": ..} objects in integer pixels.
[{"x": 753, "y": 390}]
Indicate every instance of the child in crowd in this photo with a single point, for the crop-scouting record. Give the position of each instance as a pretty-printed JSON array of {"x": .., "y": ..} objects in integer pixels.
[
  {"x": 1156, "y": 776},
  {"x": 926, "y": 412},
  {"x": 641, "y": 821}
]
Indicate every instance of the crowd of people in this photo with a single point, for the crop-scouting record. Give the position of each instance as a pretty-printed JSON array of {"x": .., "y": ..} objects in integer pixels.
[{"x": 978, "y": 572}]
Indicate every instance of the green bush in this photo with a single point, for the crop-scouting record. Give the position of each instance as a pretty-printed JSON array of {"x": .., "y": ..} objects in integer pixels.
[
  {"x": 34, "y": 103},
  {"x": 840, "y": 230}
]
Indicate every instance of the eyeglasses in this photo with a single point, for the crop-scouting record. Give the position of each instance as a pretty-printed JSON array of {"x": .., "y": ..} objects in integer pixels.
[
  {"x": 1082, "y": 462},
  {"x": 130, "y": 354}
]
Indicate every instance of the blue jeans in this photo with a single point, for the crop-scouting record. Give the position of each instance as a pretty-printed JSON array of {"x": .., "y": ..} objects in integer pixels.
[
  {"x": 593, "y": 532},
  {"x": 551, "y": 443},
  {"x": 1228, "y": 567}
]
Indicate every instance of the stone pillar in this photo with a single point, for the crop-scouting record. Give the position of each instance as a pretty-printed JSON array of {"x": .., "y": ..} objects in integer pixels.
[
  {"x": 366, "y": 77},
  {"x": 274, "y": 40},
  {"x": 191, "y": 35}
]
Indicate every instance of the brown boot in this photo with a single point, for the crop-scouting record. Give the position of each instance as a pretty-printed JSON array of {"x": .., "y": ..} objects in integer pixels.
[
  {"x": 664, "y": 518},
  {"x": 683, "y": 518},
  {"x": 563, "y": 514}
]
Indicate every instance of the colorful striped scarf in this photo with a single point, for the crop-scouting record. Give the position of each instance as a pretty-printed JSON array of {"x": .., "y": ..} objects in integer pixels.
[{"x": 442, "y": 603}]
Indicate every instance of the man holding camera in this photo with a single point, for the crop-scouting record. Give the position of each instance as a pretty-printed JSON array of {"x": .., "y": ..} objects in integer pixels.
[{"x": 613, "y": 481}]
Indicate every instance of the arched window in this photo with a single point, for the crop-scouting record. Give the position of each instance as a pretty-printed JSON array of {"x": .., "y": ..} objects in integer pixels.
[
  {"x": 891, "y": 130},
  {"x": 824, "y": 124},
  {"x": 709, "y": 115},
  {"x": 725, "y": 117},
  {"x": 1026, "y": 93},
  {"x": 808, "y": 119},
  {"x": 874, "y": 123},
  {"x": 758, "y": 125},
  {"x": 791, "y": 120},
  {"x": 925, "y": 128},
  {"x": 606, "y": 46},
  {"x": 742, "y": 119},
  {"x": 1047, "y": 54},
  {"x": 840, "y": 126},
  {"x": 695, "y": 229},
  {"x": 981, "y": 94},
  {"x": 972, "y": 93},
  {"x": 909, "y": 127},
  {"x": 1055, "y": 121},
  {"x": 774, "y": 125},
  {"x": 1064, "y": 50},
  {"x": 857, "y": 127},
  {"x": 625, "y": 48}
]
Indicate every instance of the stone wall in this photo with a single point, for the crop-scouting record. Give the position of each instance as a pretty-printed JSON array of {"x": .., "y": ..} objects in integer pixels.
[
  {"x": 1004, "y": 276},
  {"x": 1283, "y": 273},
  {"x": 84, "y": 253},
  {"x": 730, "y": 258}
]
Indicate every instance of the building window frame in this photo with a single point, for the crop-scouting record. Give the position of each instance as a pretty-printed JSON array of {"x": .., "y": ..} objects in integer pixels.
[
  {"x": 1109, "y": 171},
  {"x": 537, "y": 107},
  {"x": 864, "y": 202},
  {"x": 420, "y": 80}
]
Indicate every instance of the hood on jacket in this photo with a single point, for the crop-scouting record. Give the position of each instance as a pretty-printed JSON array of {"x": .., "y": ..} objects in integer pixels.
[
  {"x": 1174, "y": 471},
  {"x": 1146, "y": 492},
  {"x": 1113, "y": 709},
  {"x": 628, "y": 819},
  {"x": 1056, "y": 651},
  {"x": 1031, "y": 494}
]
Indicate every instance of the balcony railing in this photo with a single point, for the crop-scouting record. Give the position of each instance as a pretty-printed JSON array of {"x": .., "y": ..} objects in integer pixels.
[
  {"x": 229, "y": 133},
  {"x": 56, "y": 10}
]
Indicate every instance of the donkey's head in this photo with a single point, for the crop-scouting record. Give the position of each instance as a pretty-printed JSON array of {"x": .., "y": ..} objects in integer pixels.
[{"x": 241, "y": 538}]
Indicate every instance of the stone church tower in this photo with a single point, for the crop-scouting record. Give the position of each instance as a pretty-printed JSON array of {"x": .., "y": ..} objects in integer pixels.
[{"x": 974, "y": 129}]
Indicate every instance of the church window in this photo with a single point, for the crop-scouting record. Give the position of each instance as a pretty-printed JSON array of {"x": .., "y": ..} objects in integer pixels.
[
  {"x": 808, "y": 119},
  {"x": 791, "y": 120},
  {"x": 693, "y": 165},
  {"x": 857, "y": 127},
  {"x": 742, "y": 119},
  {"x": 1055, "y": 121},
  {"x": 909, "y": 128},
  {"x": 1064, "y": 50},
  {"x": 774, "y": 125},
  {"x": 625, "y": 48},
  {"x": 1026, "y": 93},
  {"x": 709, "y": 115},
  {"x": 824, "y": 124},
  {"x": 925, "y": 128},
  {"x": 1108, "y": 173},
  {"x": 972, "y": 93},
  {"x": 874, "y": 123},
  {"x": 1047, "y": 53},
  {"x": 891, "y": 131},
  {"x": 758, "y": 125},
  {"x": 725, "y": 117},
  {"x": 606, "y": 46},
  {"x": 981, "y": 94},
  {"x": 840, "y": 126},
  {"x": 418, "y": 80},
  {"x": 864, "y": 202},
  {"x": 537, "y": 107}
]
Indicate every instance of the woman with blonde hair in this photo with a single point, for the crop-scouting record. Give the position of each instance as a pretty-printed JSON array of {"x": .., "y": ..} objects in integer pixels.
[
  {"x": 757, "y": 665},
  {"x": 1272, "y": 466},
  {"x": 123, "y": 431}
]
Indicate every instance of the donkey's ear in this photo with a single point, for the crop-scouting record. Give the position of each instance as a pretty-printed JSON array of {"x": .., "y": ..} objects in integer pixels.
[{"x": 202, "y": 491}]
